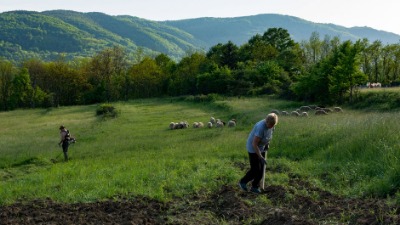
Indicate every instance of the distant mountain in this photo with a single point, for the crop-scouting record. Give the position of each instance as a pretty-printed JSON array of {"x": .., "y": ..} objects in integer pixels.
[
  {"x": 239, "y": 29},
  {"x": 26, "y": 34}
]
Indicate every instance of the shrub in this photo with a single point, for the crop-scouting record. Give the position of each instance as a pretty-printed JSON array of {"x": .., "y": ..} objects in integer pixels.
[
  {"x": 106, "y": 110},
  {"x": 203, "y": 98}
]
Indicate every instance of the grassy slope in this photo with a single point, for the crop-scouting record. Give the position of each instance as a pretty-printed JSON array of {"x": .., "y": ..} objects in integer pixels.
[{"x": 353, "y": 153}]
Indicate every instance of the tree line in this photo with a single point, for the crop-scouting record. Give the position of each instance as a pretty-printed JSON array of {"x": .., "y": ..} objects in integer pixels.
[{"x": 319, "y": 70}]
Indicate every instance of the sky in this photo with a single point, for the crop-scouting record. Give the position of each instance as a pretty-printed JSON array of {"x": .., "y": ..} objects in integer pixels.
[{"x": 378, "y": 14}]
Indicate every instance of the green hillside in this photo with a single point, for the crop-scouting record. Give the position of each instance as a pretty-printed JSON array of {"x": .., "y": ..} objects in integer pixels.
[
  {"x": 240, "y": 29},
  {"x": 27, "y": 34}
]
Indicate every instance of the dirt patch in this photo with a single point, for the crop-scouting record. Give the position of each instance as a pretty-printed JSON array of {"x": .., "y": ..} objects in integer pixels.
[{"x": 277, "y": 205}]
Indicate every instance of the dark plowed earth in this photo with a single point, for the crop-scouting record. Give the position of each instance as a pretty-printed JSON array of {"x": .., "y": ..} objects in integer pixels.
[{"x": 277, "y": 205}]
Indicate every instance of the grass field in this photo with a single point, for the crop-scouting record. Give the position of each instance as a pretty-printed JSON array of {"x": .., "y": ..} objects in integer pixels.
[{"x": 353, "y": 153}]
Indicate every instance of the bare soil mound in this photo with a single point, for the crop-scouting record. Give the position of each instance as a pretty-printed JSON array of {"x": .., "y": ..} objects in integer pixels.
[{"x": 277, "y": 205}]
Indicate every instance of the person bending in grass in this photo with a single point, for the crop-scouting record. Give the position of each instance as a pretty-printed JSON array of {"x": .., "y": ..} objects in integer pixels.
[{"x": 257, "y": 145}]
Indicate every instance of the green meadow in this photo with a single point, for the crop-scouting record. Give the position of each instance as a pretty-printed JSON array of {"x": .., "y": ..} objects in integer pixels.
[{"x": 355, "y": 153}]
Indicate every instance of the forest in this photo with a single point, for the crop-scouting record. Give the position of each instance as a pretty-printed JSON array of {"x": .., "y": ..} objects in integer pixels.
[{"x": 323, "y": 70}]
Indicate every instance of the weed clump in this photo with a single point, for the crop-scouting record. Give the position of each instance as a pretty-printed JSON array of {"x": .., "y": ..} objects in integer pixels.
[{"x": 106, "y": 110}]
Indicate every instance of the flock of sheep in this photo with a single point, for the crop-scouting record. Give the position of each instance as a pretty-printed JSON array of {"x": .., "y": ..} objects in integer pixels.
[
  {"x": 305, "y": 110},
  {"x": 212, "y": 123}
]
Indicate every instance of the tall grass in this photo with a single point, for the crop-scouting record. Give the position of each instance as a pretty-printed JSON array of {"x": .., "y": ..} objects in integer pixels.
[
  {"x": 354, "y": 153},
  {"x": 382, "y": 99},
  {"x": 351, "y": 153}
]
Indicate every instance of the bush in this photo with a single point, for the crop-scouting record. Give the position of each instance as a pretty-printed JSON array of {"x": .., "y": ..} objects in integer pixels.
[
  {"x": 203, "y": 98},
  {"x": 106, "y": 110}
]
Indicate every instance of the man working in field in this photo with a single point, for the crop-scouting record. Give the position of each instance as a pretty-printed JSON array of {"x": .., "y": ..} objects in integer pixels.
[{"x": 257, "y": 145}]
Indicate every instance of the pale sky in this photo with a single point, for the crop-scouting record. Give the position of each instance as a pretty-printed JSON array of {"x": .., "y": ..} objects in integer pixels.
[{"x": 377, "y": 14}]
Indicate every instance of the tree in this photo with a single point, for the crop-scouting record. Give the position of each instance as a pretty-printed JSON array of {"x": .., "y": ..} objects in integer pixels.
[
  {"x": 146, "y": 78},
  {"x": 333, "y": 77},
  {"x": 167, "y": 66},
  {"x": 36, "y": 70},
  {"x": 278, "y": 38},
  {"x": 396, "y": 64},
  {"x": 7, "y": 73},
  {"x": 346, "y": 74},
  {"x": 217, "y": 81},
  {"x": 388, "y": 60},
  {"x": 374, "y": 51},
  {"x": 366, "y": 65},
  {"x": 104, "y": 68},
  {"x": 257, "y": 50},
  {"x": 22, "y": 90},
  {"x": 272, "y": 78},
  {"x": 224, "y": 55},
  {"x": 184, "y": 77},
  {"x": 313, "y": 48}
]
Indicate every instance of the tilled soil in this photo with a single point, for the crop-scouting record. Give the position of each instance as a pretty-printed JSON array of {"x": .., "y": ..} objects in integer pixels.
[{"x": 277, "y": 205}]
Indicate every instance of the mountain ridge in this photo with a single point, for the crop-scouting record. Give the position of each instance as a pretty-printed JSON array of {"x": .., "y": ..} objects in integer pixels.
[{"x": 27, "y": 34}]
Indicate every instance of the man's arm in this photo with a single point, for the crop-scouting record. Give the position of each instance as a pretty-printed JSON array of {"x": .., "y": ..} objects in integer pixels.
[{"x": 255, "y": 143}]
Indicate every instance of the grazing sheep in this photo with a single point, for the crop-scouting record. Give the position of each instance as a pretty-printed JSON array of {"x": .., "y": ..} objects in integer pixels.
[
  {"x": 275, "y": 111},
  {"x": 212, "y": 120},
  {"x": 232, "y": 123},
  {"x": 328, "y": 110},
  {"x": 220, "y": 123},
  {"x": 172, "y": 125},
  {"x": 178, "y": 126},
  {"x": 374, "y": 85},
  {"x": 200, "y": 125},
  {"x": 183, "y": 125},
  {"x": 285, "y": 113},
  {"x": 209, "y": 125},
  {"x": 195, "y": 125},
  {"x": 305, "y": 108},
  {"x": 304, "y": 114},
  {"x": 320, "y": 112},
  {"x": 295, "y": 113},
  {"x": 337, "y": 109},
  {"x": 313, "y": 106}
]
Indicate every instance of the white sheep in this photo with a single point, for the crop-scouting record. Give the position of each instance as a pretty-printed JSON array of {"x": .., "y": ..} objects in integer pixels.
[
  {"x": 328, "y": 110},
  {"x": 295, "y": 113},
  {"x": 172, "y": 125},
  {"x": 313, "y": 106},
  {"x": 305, "y": 108},
  {"x": 178, "y": 126},
  {"x": 198, "y": 124},
  {"x": 304, "y": 114},
  {"x": 285, "y": 113},
  {"x": 232, "y": 123},
  {"x": 212, "y": 120},
  {"x": 186, "y": 124},
  {"x": 337, "y": 109},
  {"x": 209, "y": 125},
  {"x": 320, "y": 112},
  {"x": 182, "y": 125},
  {"x": 219, "y": 123}
]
